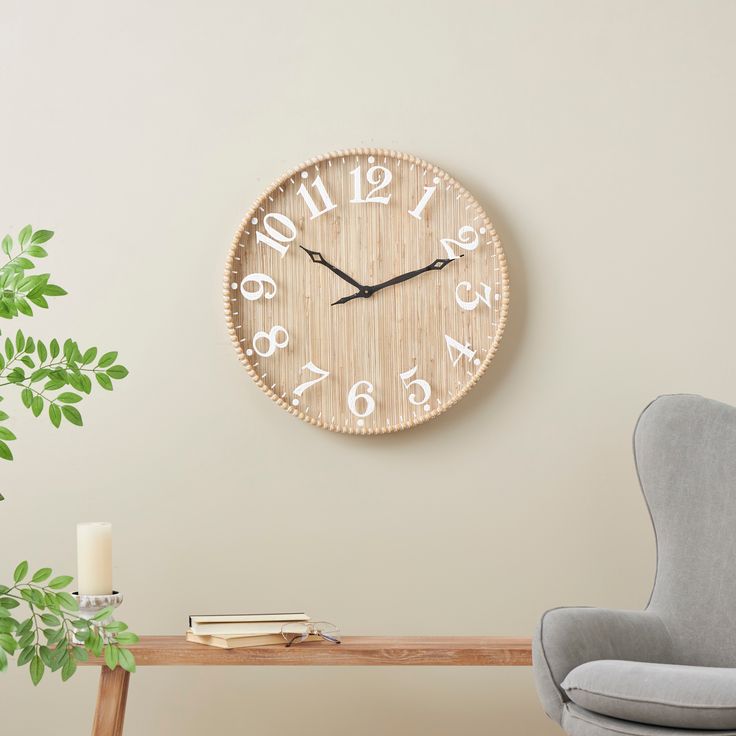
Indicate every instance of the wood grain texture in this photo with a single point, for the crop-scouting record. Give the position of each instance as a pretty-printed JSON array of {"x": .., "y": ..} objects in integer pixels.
[
  {"x": 355, "y": 650},
  {"x": 393, "y": 331},
  {"x": 111, "y": 699}
]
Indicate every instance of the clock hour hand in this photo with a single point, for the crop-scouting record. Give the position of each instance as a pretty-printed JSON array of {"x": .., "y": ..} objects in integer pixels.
[
  {"x": 317, "y": 257},
  {"x": 365, "y": 291}
]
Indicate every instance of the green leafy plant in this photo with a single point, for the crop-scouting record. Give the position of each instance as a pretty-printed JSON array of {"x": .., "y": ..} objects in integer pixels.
[
  {"x": 53, "y": 378},
  {"x": 54, "y": 636}
]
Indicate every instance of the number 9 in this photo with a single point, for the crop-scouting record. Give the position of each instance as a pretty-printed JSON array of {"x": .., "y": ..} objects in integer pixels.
[{"x": 260, "y": 279}]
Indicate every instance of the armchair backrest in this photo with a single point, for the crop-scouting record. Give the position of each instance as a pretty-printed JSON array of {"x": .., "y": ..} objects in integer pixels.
[{"x": 685, "y": 450}]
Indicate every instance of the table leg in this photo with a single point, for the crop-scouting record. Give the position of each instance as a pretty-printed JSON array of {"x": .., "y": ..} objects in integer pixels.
[{"x": 111, "y": 697}]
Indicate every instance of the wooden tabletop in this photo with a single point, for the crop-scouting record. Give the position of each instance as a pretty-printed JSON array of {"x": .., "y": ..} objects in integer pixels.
[{"x": 354, "y": 650}]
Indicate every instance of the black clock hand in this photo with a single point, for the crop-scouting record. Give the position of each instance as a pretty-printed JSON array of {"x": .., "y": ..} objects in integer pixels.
[
  {"x": 367, "y": 291},
  {"x": 319, "y": 258}
]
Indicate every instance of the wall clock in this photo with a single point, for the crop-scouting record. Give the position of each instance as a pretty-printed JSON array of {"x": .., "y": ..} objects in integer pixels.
[{"x": 366, "y": 291}]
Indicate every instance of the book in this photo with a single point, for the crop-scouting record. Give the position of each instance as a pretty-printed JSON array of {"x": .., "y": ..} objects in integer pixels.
[
  {"x": 239, "y": 642},
  {"x": 245, "y": 623}
]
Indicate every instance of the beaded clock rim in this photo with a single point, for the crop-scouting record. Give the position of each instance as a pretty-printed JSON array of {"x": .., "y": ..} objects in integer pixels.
[{"x": 505, "y": 297}]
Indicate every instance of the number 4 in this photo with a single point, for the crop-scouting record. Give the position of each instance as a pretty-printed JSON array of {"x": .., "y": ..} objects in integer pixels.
[{"x": 460, "y": 349}]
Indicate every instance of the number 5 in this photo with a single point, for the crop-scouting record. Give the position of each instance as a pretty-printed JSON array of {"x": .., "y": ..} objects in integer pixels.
[{"x": 426, "y": 388}]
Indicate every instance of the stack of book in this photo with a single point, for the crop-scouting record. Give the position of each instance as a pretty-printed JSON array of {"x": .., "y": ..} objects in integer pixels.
[{"x": 234, "y": 631}]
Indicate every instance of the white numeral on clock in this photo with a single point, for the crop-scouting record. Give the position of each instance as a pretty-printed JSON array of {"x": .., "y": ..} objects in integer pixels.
[
  {"x": 272, "y": 337},
  {"x": 419, "y": 383},
  {"x": 485, "y": 297},
  {"x": 378, "y": 176},
  {"x": 354, "y": 396},
  {"x": 468, "y": 239},
  {"x": 261, "y": 279},
  {"x": 417, "y": 211},
  {"x": 275, "y": 238},
  {"x": 460, "y": 350},
  {"x": 321, "y": 375},
  {"x": 327, "y": 203}
]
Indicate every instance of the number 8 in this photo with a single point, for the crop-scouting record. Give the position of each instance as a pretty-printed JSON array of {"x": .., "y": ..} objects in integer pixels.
[{"x": 273, "y": 341}]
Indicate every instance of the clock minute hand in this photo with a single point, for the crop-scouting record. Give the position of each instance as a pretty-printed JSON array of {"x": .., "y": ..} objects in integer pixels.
[
  {"x": 367, "y": 291},
  {"x": 437, "y": 265},
  {"x": 317, "y": 257}
]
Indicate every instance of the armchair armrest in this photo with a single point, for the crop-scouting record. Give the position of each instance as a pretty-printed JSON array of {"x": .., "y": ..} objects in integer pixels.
[{"x": 568, "y": 637}]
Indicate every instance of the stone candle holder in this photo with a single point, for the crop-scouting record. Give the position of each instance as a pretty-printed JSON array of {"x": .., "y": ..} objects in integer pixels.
[{"x": 91, "y": 605}]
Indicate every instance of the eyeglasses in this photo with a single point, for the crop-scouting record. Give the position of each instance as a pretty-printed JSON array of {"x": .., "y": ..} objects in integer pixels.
[{"x": 297, "y": 632}]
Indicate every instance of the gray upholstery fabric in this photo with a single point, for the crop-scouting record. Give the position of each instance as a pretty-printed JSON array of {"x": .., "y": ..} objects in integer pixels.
[
  {"x": 685, "y": 453},
  {"x": 673, "y": 695},
  {"x": 580, "y": 722}
]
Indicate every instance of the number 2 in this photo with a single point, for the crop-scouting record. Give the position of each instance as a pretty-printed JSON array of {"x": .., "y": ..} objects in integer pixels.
[{"x": 468, "y": 239}]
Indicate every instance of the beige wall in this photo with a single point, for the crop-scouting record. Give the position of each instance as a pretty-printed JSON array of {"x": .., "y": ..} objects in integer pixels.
[{"x": 600, "y": 137}]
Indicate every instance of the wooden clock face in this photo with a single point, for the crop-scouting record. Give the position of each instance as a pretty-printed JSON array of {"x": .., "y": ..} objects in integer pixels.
[{"x": 366, "y": 291}]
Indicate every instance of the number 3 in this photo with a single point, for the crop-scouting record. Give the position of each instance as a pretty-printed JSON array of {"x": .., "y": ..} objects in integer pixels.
[{"x": 469, "y": 306}]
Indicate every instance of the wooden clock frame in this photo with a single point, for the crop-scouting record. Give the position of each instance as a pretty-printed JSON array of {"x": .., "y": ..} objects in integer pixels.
[{"x": 260, "y": 206}]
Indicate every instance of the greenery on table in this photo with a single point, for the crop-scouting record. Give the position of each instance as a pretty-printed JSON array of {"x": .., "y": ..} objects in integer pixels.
[
  {"x": 51, "y": 378},
  {"x": 54, "y": 636}
]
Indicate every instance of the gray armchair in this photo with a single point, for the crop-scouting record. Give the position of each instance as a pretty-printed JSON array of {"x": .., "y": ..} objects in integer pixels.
[{"x": 669, "y": 670}]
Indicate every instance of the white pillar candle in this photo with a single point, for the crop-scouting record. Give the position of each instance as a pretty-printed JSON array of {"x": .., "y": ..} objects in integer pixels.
[{"x": 94, "y": 558}]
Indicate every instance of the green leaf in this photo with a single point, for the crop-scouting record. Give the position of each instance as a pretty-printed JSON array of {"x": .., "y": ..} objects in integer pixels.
[
  {"x": 106, "y": 612},
  {"x": 7, "y": 245},
  {"x": 6, "y": 434},
  {"x": 46, "y": 656},
  {"x": 37, "y": 251},
  {"x": 4, "y": 613},
  {"x": 37, "y": 406},
  {"x": 55, "y": 415},
  {"x": 7, "y": 642},
  {"x": 104, "y": 380},
  {"x": 20, "y": 572},
  {"x": 71, "y": 414},
  {"x": 27, "y": 639},
  {"x": 5, "y": 453},
  {"x": 126, "y": 660},
  {"x": 9, "y": 349},
  {"x": 25, "y": 235},
  {"x": 66, "y": 601},
  {"x": 3, "y": 661},
  {"x": 42, "y": 236},
  {"x": 127, "y": 637},
  {"x": 80, "y": 653},
  {"x": 50, "y": 620},
  {"x": 40, "y": 575},
  {"x": 54, "y": 290},
  {"x": 23, "y": 263},
  {"x": 60, "y": 582},
  {"x": 26, "y": 396},
  {"x": 54, "y": 348},
  {"x": 20, "y": 341},
  {"x": 69, "y": 668},
  {"x": 26, "y": 655},
  {"x": 37, "y": 669},
  {"x": 117, "y": 372},
  {"x": 89, "y": 356},
  {"x": 68, "y": 398},
  {"x": 107, "y": 359},
  {"x": 42, "y": 352},
  {"x": 9, "y": 603},
  {"x": 111, "y": 656}
]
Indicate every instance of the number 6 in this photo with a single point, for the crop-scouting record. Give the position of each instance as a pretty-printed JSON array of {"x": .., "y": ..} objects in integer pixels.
[{"x": 353, "y": 396}]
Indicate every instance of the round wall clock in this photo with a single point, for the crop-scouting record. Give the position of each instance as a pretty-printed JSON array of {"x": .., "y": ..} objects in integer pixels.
[{"x": 366, "y": 291}]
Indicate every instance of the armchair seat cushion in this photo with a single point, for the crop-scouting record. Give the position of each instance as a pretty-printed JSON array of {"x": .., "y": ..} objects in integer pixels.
[{"x": 671, "y": 695}]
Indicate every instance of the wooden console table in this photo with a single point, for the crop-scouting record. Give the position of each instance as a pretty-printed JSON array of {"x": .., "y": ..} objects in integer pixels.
[{"x": 435, "y": 651}]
